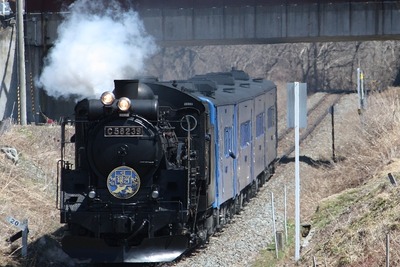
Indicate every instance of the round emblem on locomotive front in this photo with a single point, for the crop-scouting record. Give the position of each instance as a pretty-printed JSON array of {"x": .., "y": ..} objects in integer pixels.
[{"x": 123, "y": 182}]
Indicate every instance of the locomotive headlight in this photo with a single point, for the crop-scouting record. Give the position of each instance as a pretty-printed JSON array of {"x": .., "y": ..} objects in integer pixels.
[
  {"x": 107, "y": 98},
  {"x": 155, "y": 193},
  {"x": 124, "y": 104},
  {"x": 92, "y": 194}
]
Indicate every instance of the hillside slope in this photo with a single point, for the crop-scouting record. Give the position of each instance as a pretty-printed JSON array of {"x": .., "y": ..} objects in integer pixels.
[
  {"x": 353, "y": 225},
  {"x": 351, "y": 204},
  {"x": 28, "y": 191}
]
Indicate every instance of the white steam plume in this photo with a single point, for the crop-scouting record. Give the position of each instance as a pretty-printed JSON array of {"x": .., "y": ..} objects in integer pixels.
[{"x": 97, "y": 43}]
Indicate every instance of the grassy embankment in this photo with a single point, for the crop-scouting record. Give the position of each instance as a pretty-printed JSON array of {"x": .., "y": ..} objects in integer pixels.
[{"x": 356, "y": 207}]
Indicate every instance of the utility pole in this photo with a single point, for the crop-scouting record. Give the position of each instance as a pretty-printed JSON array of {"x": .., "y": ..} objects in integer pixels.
[{"x": 21, "y": 61}]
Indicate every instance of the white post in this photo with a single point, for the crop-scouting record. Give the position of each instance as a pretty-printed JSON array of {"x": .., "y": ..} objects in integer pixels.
[
  {"x": 297, "y": 169},
  {"x": 358, "y": 89},
  {"x": 300, "y": 120},
  {"x": 362, "y": 85},
  {"x": 363, "y": 91},
  {"x": 285, "y": 215},
  {"x": 273, "y": 223},
  {"x": 387, "y": 250}
]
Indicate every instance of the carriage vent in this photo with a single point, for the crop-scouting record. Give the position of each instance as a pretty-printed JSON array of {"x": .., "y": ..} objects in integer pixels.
[{"x": 229, "y": 90}]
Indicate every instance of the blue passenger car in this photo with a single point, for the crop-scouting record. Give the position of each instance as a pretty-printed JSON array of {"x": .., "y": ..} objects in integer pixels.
[{"x": 244, "y": 112}]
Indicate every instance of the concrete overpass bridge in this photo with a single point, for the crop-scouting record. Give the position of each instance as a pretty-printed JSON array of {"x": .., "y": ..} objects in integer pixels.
[{"x": 223, "y": 22}]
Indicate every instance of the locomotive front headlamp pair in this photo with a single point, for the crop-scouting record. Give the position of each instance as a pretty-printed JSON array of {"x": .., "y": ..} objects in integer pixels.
[
  {"x": 108, "y": 98},
  {"x": 124, "y": 104}
]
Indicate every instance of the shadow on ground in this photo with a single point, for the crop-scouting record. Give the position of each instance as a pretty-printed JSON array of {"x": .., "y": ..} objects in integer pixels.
[
  {"x": 316, "y": 163},
  {"x": 46, "y": 251}
]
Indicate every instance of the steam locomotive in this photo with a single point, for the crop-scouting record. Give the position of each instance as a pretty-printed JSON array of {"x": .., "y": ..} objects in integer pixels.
[{"x": 158, "y": 167}]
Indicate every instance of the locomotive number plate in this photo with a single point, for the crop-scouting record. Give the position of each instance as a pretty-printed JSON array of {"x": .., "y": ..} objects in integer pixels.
[{"x": 123, "y": 131}]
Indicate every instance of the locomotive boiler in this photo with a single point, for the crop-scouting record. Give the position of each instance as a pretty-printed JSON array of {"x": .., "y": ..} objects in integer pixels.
[{"x": 155, "y": 171}]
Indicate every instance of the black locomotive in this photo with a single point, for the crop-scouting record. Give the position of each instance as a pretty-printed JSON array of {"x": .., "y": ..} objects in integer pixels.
[{"x": 160, "y": 166}]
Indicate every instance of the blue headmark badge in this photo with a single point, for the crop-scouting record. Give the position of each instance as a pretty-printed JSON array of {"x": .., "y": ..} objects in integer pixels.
[{"x": 123, "y": 182}]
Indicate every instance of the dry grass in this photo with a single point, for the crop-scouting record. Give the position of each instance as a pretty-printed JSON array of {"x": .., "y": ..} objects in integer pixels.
[
  {"x": 350, "y": 203},
  {"x": 360, "y": 205},
  {"x": 28, "y": 188}
]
